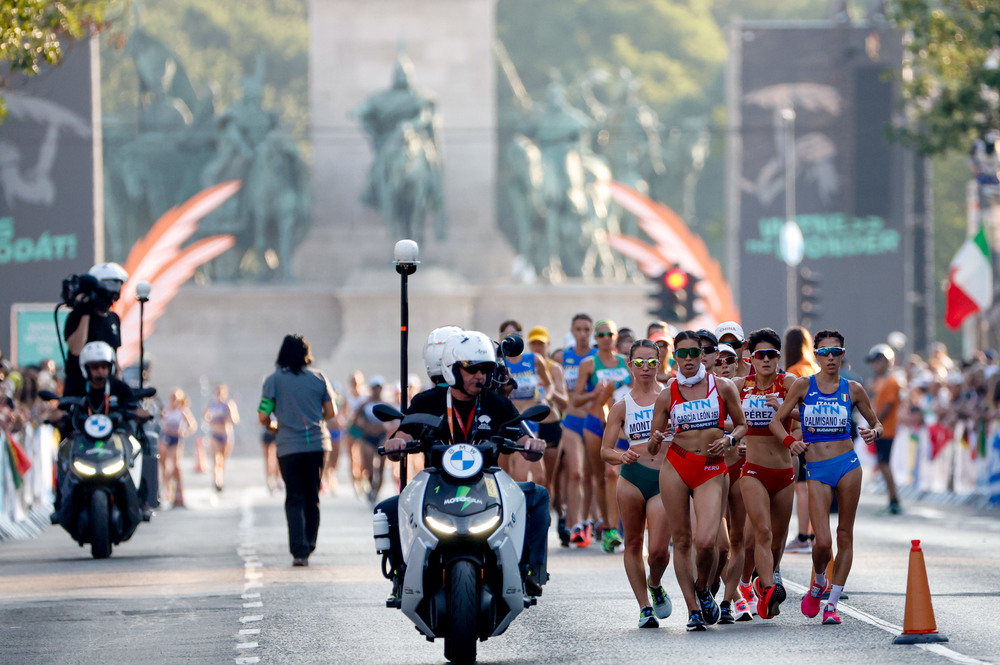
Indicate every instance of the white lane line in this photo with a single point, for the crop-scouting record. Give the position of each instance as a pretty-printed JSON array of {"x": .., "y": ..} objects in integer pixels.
[
  {"x": 252, "y": 566},
  {"x": 252, "y": 618},
  {"x": 247, "y": 645},
  {"x": 250, "y": 631},
  {"x": 255, "y": 603},
  {"x": 938, "y": 649},
  {"x": 250, "y": 596},
  {"x": 250, "y": 660}
]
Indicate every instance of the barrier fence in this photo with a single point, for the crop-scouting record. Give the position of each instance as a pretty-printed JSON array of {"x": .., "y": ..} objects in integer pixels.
[{"x": 26, "y": 480}]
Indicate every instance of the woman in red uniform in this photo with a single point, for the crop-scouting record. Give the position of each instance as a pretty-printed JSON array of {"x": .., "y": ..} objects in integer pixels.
[
  {"x": 768, "y": 475},
  {"x": 696, "y": 404}
]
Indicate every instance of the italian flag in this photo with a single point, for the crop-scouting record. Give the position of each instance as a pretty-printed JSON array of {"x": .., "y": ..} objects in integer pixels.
[{"x": 970, "y": 280}]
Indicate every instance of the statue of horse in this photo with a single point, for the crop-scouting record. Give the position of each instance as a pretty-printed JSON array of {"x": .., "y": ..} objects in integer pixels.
[{"x": 411, "y": 183}]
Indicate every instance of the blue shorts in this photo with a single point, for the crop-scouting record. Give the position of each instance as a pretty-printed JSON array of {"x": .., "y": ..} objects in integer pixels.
[
  {"x": 593, "y": 425},
  {"x": 830, "y": 471},
  {"x": 171, "y": 440},
  {"x": 532, "y": 427},
  {"x": 573, "y": 423}
]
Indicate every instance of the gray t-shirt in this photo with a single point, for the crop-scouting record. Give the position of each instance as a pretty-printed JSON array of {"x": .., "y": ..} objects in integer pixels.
[{"x": 298, "y": 406}]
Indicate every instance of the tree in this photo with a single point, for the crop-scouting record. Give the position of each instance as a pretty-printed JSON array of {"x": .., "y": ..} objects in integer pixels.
[
  {"x": 32, "y": 31},
  {"x": 954, "y": 90}
]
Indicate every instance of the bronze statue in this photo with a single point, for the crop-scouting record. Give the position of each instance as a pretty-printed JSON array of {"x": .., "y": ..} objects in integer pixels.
[{"x": 405, "y": 180}]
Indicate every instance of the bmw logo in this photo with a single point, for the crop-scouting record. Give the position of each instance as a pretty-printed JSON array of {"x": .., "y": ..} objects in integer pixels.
[
  {"x": 462, "y": 461},
  {"x": 98, "y": 426}
]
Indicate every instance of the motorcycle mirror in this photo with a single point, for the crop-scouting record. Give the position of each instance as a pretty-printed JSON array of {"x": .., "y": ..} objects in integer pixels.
[
  {"x": 47, "y": 395},
  {"x": 537, "y": 413},
  {"x": 511, "y": 346},
  {"x": 143, "y": 393},
  {"x": 386, "y": 413}
]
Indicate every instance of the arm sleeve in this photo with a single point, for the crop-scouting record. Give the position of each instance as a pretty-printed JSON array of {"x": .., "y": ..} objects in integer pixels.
[{"x": 267, "y": 396}]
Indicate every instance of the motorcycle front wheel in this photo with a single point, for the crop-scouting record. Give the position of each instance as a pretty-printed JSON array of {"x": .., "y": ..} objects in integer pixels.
[
  {"x": 100, "y": 526},
  {"x": 463, "y": 608}
]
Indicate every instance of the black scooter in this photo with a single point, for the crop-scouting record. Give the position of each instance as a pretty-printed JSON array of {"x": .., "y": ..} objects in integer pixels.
[{"x": 100, "y": 467}]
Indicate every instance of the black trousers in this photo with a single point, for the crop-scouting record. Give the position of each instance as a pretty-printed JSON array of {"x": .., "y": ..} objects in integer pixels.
[{"x": 302, "y": 473}]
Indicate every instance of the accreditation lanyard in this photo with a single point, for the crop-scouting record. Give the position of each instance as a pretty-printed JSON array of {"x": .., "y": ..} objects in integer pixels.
[
  {"x": 466, "y": 428},
  {"x": 107, "y": 399}
]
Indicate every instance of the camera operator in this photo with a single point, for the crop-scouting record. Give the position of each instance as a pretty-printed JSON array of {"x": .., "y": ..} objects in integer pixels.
[{"x": 91, "y": 297}]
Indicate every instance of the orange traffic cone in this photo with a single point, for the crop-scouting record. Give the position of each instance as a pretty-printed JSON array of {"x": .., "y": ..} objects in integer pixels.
[{"x": 918, "y": 618}]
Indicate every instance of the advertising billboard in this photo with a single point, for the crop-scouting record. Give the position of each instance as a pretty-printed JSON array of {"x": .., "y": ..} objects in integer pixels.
[
  {"x": 848, "y": 192},
  {"x": 48, "y": 165}
]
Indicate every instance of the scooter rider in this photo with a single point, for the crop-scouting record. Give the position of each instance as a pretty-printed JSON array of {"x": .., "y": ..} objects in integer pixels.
[
  {"x": 91, "y": 320},
  {"x": 102, "y": 392},
  {"x": 473, "y": 413}
]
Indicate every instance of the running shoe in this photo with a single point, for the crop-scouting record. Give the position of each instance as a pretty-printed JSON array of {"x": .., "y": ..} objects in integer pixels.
[
  {"x": 830, "y": 616},
  {"x": 797, "y": 546},
  {"x": 662, "y": 606},
  {"x": 773, "y": 596},
  {"x": 811, "y": 601},
  {"x": 726, "y": 613},
  {"x": 611, "y": 540},
  {"x": 709, "y": 608},
  {"x": 743, "y": 610},
  {"x": 695, "y": 622},
  {"x": 746, "y": 590},
  {"x": 646, "y": 618},
  {"x": 777, "y": 577},
  {"x": 581, "y": 535},
  {"x": 564, "y": 533}
]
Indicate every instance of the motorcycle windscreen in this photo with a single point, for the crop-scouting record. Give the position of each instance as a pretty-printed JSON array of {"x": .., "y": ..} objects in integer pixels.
[{"x": 457, "y": 498}]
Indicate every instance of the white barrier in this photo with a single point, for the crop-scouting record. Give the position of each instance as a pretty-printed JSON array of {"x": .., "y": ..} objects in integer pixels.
[{"x": 24, "y": 510}]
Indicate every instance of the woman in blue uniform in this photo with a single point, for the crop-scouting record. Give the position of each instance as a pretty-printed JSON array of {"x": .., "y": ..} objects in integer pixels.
[
  {"x": 531, "y": 375},
  {"x": 825, "y": 401}
]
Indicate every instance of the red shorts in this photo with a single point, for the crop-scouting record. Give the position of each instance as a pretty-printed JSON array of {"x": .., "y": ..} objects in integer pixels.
[
  {"x": 735, "y": 469},
  {"x": 774, "y": 480},
  {"x": 695, "y": 469}
]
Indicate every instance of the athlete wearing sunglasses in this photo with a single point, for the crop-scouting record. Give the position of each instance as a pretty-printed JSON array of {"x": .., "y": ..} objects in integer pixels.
[
  {"x": 637, "y": 489},
  {"x": 695, "y": 404},
  {"x": 767, "y": 480},
  {"x": 825, "y": 401}
]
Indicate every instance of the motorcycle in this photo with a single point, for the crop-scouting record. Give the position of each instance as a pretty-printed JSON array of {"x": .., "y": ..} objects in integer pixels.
[
  {"x": 461, "y": 529},
  {"x": 100, "y": 468}
]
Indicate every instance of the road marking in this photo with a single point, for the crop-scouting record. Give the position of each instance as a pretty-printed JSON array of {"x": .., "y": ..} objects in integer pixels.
[
  {"x": 252, "y": 618},
  {"x": 250, "y": 660},
  {"x": 250, "y": 596},
  {"x": 250, "y": 631},
  {"x": 872, "y": 620},
  {"x": 255, "y": 603},
  {"x": 247, "y": 645},
  {"x": 252, "y": 565}
]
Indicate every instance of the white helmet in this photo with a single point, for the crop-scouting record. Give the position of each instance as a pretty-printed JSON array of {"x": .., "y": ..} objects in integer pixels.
[
  {"x": 468, "y": 346},
  {"x": 96, "y": 352},
  {"x": 110, "y": 275},
  {"x": 434, "y": 347}
]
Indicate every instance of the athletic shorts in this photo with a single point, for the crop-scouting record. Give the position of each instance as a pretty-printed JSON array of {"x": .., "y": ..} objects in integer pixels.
[
  {"x": 268, "y": 437},
  {"x": 355, "y": 432},
  {"x": 573, "y": 423},
  {"x": 594, "y": 425},
  {"x": 695, "y": 469},
  {"x": 622, "y": 444},
  {"x": 550, "y": 433},
  {"x": 883, "y": 449},
  {"x": 830, "y": 471},
  {"x": 645, "y": 479},
  {"x": 220, "y": 438},
  {"x": 373, "y": 440},
  {"x": 735, "y": 469},
  {"x": 773, "y": 480},
  {"x": 171, "y": 440}
]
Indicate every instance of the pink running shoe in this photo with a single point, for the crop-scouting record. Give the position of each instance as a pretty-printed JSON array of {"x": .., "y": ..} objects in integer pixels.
[
  {"x": 743, "y": 610},
  {"x": 830, "y": 616},
  {"x": 811, "y": 601},
  {"x": 746, "y": 590}
]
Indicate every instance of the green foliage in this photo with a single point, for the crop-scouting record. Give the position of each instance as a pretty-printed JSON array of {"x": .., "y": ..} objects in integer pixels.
[
  {"x": 954, "y": 88},
  {"x": 32, "y": 31},
  {"x": 950, "y": 177}
]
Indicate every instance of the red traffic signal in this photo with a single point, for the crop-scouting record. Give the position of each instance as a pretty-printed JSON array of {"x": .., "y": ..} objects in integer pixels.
[{"x": 675, "y": 279}]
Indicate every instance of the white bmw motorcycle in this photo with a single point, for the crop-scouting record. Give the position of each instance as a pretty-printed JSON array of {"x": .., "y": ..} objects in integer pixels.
[{"x": 461, "y": 528}]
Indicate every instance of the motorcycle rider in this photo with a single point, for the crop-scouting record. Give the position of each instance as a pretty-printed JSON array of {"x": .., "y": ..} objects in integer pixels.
[
  {"x": 91, "y": 320},
  {"x": 102, "y": 392},
  {"x": 473, "y": 413}
]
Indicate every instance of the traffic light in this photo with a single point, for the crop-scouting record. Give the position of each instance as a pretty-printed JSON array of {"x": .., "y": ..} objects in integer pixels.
[
  {"x": 675, "y": 296},
  {"x": 809, "y": 296}
]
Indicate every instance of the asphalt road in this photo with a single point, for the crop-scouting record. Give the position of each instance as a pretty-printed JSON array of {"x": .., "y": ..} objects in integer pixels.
[{"x": 213, "y": 584}]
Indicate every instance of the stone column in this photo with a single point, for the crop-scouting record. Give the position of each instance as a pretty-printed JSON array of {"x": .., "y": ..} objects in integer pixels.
[{"x": 353, "y": 47}]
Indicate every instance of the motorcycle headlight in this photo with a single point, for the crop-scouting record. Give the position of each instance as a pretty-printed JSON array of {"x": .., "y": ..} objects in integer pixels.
[
  {"x": 113, "y": 468},
  {"x": 486, "y": 521},
  {"x": 83, "y": 468},
  {"x": 440, "y": 522}
]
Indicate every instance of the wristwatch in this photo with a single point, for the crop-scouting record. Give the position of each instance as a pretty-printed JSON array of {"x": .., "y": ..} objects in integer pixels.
[{"x": 732, "y": 441}]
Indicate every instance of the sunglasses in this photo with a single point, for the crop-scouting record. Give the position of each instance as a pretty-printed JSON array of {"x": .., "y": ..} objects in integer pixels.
[
  {"x": 728, "y": 360},
  {"x": 475, "y": 367},
  {"x": 645, "y": 362},
  {"x": 766, "y": 354},
  {"x": 835, "y": 351},
  {"x": 688, "y": 353},
  {"x": 708, "y": 350},
  {"x": 604, "y": 334}
]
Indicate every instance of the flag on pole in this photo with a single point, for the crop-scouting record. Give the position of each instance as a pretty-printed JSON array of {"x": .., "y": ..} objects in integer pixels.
[
  {"x": 19, "y": 462},
  {"x": 970, "y": 280}
]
